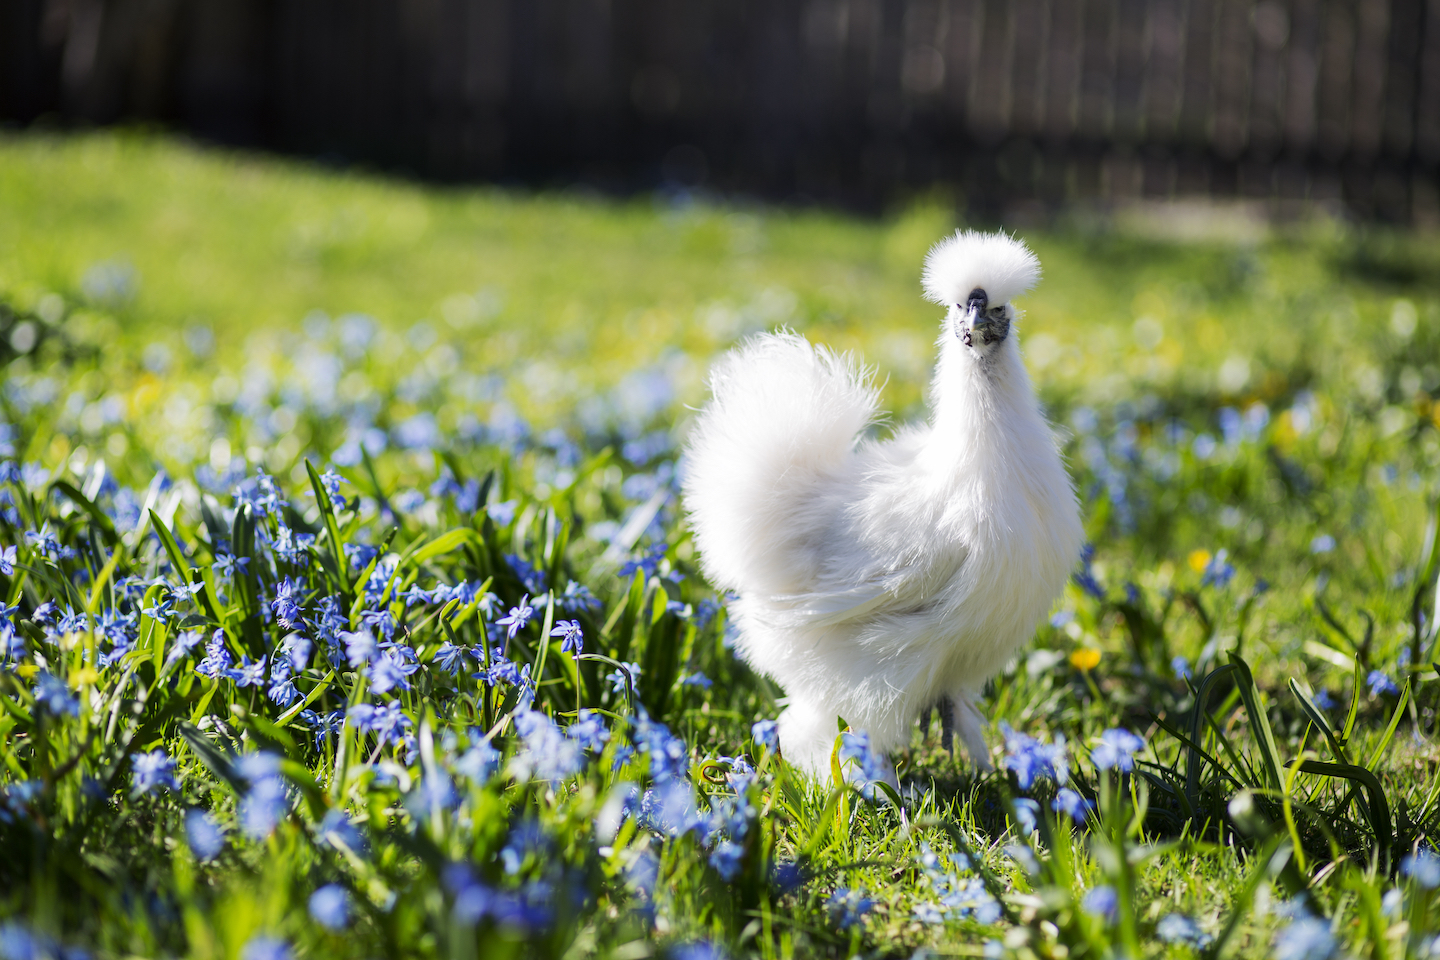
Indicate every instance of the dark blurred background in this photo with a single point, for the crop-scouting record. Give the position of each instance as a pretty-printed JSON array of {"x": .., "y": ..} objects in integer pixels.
[{"x": 1019, "y": 106}]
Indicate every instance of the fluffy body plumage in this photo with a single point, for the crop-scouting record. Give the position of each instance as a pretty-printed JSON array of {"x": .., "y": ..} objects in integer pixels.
[{"x": 876, "y": 578}]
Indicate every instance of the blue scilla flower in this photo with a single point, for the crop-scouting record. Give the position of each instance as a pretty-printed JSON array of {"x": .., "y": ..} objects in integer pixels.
[
  {"x": 262, "y": 806},
  {"x": 518, "y": 617},
  {"x": 330, "y": 907},
  {"x": 1324, "y": 543},
  {"x": 297, "y": 647},
  {"x": 765, "y": 733},
  {"x": 572, "y": 637},
  {"x": 1116, "y": 749},
  {"x": 1423, "y": 867},
  {"x": 1218, "y": 572},
  {"x": 1027, "y": 812},
  {"x": 546, "y": 753},
  {"x": 869, "y": 766},
  {"x": 217, "y": 661},
  {"x": 589, "y": 731},
  {"x": 1381, "y": 684},
  {"x": 286, "y": 606},
  {"x": 478, "y": 763},
  {"x": 669, "y": 755},
  {"x": 360, "y": 647},
  {"x": 1181, "y": 666},
  {"x": 8, "y": 560},
  {"x": 1178, "y": 928},
  {"x": 391, "y": 671},
  {"x": 415, "y": 596},
  {"x": 1072, "y": 804},
  {"x": 205, "y": 836},
  {"x": 265, "y": 947},
  {"x": 1306, "y": 938},
  {"x": 450, "y": 658},
  {"x": 1030, "y": 759},
  {"x": 725, "y": 858},
  {"x": 1101, "y": 902},
  {"x": 248, "y": 674},
  {"x": 183, "y": 645},
  {"x": 153, "y": 769},
  {"x": 849, "y": 906},
  {"x": 625, "y": 677},
  {"x": 577, "y": 598},
  {"x": 52, "y": 694},
  {"x": 697, "y": 679}
]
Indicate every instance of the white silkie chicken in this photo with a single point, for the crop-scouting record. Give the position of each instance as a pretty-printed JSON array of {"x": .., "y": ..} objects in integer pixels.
[{"x": 877, "y": 578}]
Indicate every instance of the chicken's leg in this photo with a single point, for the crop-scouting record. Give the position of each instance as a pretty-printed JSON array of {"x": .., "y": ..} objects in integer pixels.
[{"x": 970, "y": 723}]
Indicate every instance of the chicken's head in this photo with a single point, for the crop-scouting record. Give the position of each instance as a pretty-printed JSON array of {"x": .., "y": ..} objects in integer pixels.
[{"x": 976, "y": 275}]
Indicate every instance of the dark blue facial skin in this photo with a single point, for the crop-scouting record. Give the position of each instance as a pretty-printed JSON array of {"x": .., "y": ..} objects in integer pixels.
[{"x": 980, "y": 320}]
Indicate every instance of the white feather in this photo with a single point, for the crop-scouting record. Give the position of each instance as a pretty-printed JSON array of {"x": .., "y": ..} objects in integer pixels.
[{"x": 875, "y": 577}]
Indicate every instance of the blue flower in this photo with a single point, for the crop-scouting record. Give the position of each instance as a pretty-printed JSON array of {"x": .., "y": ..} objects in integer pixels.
[
  {"x": 205, "y": 836},
  {"x": 8, "y": 561},
  {"x": 1218, "y": 572},
  {"x": 669, "y": 755},
  {"x": 1306, "y": 938},
  {"x": 266, "y": 801},
  {"x": 577, "y": 598},
  {"x": 330, "y": 906},
  {"x": 416, "y": 597},
  {"x": 1322, "y": 544},
  {"x": 589, "y": 731},
  {"x": 217, "y": 659},
  {"x": 52, "y": 694},
  {"x": 1423, "y": 867},
  {"x": 647, "y": 563},
  {"x": 1027, "y": 811},
  {"x": 628, "y": 675},
  {"x": 1381, "y": 684},
  {"x": 572, "y": 637},
  {"x": 1181, "y": 666},
  {"x": 154, "y": 769},
  {"x": 248, "y": 674},
  {"x": 1072, "y": 804},
  {"x": 1178, "y": 928},
  {"x": 389, "y": 671},
  {"x": 184, "y": 643},
  {"x": 517, "y": 619},
  {"x": 1116, "y": 749},
  {"x": 1030, "y": 759},
  {"x": 869, "y": 766},
  {"x": 265, "y": 947},
  {"x": 765, "y": 733},
  {"x": 360, "y": 647},
  {"x": 1101, "y": 902},
  {"x": 697, "y": 679},
  {"x": 450, "y": 658},
  {"x": 725, "y": 858},
  {"x": 546, "y": 754},
  {"x": 478, "y": 763},
  {"x": 848, "y": 906}
]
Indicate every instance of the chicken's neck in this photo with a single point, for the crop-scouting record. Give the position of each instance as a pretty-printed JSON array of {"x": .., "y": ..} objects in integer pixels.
[{"x": 983, "y": 406}]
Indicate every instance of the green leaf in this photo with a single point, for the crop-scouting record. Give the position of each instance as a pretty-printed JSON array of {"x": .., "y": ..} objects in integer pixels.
[
  {"x": 1318, "y": 718},
  {"x": 171, "y": 547},
  {"x": 1259, "y": 722}
]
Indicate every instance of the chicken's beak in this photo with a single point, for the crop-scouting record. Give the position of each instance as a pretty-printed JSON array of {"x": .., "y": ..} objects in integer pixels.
[{"x": 972, "y": 317}]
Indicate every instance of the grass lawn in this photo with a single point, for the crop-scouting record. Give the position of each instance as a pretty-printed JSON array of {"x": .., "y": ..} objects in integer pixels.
[{"x": 305, "y": 471}]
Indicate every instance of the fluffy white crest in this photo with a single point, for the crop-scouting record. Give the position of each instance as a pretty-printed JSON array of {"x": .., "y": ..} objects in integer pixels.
[{"x": 1001, "y": 266}]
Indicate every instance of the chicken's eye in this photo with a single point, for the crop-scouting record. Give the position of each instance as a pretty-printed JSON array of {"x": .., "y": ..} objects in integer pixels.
[{"x": 997, "y": 311}]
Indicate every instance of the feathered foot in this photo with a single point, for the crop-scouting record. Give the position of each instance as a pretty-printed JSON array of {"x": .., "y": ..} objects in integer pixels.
[{"x": 970, "y": 722}]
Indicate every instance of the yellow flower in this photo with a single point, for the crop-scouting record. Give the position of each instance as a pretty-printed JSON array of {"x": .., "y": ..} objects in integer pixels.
[
  {"x": 27, "y": 670},
  {"x": 84, "y": 677},
  {"x": 1085, "y": 658},
  {"x": 1199, "y": 560}
]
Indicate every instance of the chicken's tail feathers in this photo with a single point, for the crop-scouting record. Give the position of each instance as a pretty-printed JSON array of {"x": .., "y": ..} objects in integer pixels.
[{"x": 784, "y": 418}]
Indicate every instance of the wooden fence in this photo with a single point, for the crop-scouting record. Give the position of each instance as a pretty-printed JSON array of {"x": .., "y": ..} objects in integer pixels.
[{"x": 851, "y": 101}]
